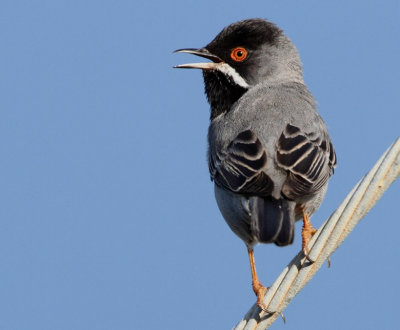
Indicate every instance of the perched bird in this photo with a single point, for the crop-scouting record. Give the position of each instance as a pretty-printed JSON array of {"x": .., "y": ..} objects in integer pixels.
[{"x": 269, "y": 152}]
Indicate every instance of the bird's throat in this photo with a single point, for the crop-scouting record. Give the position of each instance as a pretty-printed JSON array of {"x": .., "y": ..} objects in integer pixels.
[{"x": 221, "y": 92}]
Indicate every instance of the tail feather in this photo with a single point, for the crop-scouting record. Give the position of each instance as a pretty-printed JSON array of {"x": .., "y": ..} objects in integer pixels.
[
  {"x": 286, "y": 234},
  {"x": 273, "y": 220}
]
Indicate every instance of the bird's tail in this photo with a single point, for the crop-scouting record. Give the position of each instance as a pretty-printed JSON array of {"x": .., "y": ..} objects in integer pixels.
[{"x": 273, "y": 220}]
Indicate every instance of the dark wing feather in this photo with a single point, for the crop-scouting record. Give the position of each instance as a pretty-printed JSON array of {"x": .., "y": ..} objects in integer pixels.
[
  {"x": 309, "y": 159},
  {"x": 240, "y": 167}
]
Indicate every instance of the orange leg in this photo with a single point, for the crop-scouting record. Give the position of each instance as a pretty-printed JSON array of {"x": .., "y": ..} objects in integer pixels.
[
  {"x": 306, "y": 234},
  {"x": 258, "y": 288}
]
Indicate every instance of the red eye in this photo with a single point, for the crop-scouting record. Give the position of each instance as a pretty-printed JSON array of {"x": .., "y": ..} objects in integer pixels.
[{"x": 239, "y": 54}]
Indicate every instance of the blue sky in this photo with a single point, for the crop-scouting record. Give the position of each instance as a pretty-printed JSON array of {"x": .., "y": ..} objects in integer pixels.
[{"x": 108, "y": 219}]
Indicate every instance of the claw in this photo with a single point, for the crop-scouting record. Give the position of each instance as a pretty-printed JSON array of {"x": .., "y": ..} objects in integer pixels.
[
  {"x": 264, "y": 309},
  {"x": 260, "y": 292},
  {"x": 306, "y": 254},
  {"x": 306, "y": 234},
  {"x": 260, "y": 303}
]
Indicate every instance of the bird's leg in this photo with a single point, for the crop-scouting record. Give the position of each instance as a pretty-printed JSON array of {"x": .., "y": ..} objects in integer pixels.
[
  {"x": 258, "y": 288},
  {"x": 306, "y": 234}
]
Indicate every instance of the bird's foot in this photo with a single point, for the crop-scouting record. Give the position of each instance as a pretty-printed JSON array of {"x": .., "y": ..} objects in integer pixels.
[
  {"x": 306, "y": 235},
  {"x": 260, "y": 298},
  {"x": 260, "y": 292}
]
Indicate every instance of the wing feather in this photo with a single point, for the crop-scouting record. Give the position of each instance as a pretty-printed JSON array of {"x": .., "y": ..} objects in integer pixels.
[
  {"x": 240, "y": 167},
  {"x": 309, "y": 159}
]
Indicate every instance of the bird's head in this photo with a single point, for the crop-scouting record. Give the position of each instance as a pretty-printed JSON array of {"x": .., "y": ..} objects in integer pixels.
[{"x": 244, "y": 54}]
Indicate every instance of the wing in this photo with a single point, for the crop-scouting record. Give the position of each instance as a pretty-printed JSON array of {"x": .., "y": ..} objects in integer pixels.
[
  {"x": 309, "y": 159},
  {"x": 240, "y": 167}
]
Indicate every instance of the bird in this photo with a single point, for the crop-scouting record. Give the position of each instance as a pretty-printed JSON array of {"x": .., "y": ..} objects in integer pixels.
[{"x": 269, "y": 152}]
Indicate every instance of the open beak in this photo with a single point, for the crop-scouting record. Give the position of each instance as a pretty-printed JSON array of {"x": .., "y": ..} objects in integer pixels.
[{"x": 199, "y": 52}]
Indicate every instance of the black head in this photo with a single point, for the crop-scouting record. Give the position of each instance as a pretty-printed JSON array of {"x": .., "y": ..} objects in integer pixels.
[
  {"x": 244, "y": 54},
  {"x": 241, "y": 45}
]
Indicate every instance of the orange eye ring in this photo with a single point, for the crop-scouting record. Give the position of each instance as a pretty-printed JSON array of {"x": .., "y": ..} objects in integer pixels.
[{"x": 239, "y": 54}]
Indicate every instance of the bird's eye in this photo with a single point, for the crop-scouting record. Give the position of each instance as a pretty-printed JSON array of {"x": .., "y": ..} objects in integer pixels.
[{"x": 239, "y": 54}]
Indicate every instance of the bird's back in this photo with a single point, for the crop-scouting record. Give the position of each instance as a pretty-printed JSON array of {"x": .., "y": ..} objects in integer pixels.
[{"x": 266, "y": 110}]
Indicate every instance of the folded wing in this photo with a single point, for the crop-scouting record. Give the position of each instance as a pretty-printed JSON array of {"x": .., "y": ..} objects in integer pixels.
[
  {"x": 240, "y": 167},
  {"x": 309, "y": 159}
]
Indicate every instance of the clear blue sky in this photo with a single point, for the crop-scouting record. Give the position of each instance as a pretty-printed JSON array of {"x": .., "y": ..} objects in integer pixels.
[{"x": 108, "y": 219}]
